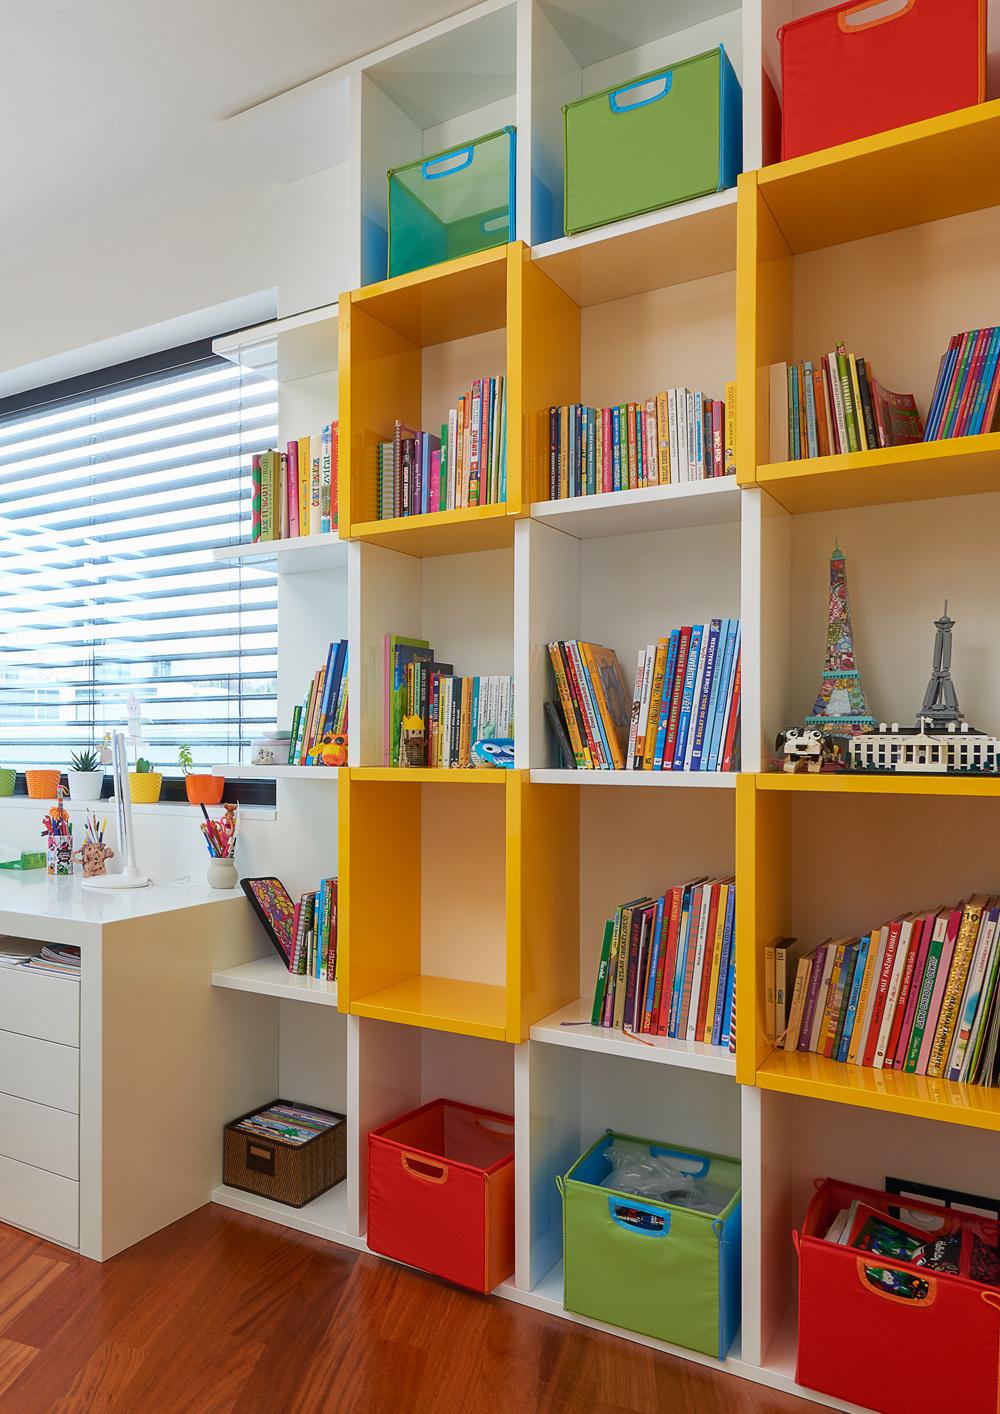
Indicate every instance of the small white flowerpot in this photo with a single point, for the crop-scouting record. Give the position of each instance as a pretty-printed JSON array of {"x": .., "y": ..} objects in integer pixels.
[
  {"x": 85, "y": 785},
  {"x": 222, "y": 874}
]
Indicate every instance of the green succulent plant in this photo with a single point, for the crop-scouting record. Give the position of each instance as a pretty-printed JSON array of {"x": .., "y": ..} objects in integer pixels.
[
  {"x": 85, "y": 761},
  {"x": 142, "y": 766},
  {"x": 186, "y": 759}
]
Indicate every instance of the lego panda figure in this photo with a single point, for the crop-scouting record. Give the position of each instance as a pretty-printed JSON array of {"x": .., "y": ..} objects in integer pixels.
[{"x": 806, "y": 747}]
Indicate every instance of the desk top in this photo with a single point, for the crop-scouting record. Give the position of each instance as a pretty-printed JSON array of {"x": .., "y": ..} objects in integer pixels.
[{"x": 35, "y": 905}]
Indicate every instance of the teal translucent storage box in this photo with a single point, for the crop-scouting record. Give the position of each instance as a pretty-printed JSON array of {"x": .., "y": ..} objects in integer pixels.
[
  {"x": 666, "y": 137},
  {"x": 455, "y": 203},
  {"x": 649, "y": 1266}
]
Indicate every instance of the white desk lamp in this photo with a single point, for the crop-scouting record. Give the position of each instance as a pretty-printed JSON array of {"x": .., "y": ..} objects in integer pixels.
[{"x": 130, "y": 878}]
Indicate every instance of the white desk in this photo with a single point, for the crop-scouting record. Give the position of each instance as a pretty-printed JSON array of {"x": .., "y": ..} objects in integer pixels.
[{"x": 114, "y": 1090}]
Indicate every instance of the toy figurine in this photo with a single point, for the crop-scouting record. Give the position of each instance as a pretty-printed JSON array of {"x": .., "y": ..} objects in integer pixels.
[
  {"x": 805, "y": 748},
  {"x": 263, "y": 757},
  {"x": 331, "y": 751},
  {"x": 495, "y": 752},
  {"x": 412, "y": 742}
]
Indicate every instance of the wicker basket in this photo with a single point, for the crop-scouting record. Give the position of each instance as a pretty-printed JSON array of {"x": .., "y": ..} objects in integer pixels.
[{"x": 293, "y": 1174}]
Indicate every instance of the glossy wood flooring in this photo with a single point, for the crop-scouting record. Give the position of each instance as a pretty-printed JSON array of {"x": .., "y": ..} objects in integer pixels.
[{"x": 225, "y": 1314}]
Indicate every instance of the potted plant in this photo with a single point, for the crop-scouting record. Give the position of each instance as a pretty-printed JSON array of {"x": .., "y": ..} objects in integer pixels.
[
  {"x": 85, "y": 776},
  {"x": 144, "y": 783},
  {"x": 201, "y": 789}
]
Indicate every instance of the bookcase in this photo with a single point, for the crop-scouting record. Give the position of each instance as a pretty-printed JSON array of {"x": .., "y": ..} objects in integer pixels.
[{"x": 472, "y": 902}]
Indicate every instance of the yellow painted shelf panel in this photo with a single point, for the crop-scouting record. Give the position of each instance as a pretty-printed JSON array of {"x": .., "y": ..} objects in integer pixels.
[
  {"x": 443, "y": 533},
  {"x": 959, "y": 466},
  {"x": 921, "y": 172},
  {"x": 822, "y": 1079},
  {"x": 444, "y": 302},
  {"x": 848, "y": 784},
  {"x": 403, "y": 776},
  {"x": 440, "y": 1003}
]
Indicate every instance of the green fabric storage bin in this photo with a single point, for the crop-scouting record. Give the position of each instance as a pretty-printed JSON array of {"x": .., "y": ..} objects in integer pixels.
[
  {"x": 455, "y": 203},
  {"x": 668, "y": 136},
  {"x": 649, "y": 1266}
]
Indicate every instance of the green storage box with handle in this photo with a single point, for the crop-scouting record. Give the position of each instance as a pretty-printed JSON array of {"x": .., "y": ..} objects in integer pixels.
[
  {"x": 649, "y": 1266},
  {"x": 457, "y": 202},
  {"x": 668, "y": 136}
]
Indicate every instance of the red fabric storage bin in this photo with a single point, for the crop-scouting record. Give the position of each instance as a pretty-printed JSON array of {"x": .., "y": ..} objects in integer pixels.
[
  {"x": 845, "y": 75},
  {"x": 895, "y": 1354},
  {"x": 441, "y": 1192}
]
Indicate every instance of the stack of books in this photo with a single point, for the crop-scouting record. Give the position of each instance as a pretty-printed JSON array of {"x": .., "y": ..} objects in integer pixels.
[
  {"x": 57, "y": 958},
  {"x": 968, "y": 383},
  {"x": 590, "y": 718},
  {"x": 295, "y": 491},
  {"x": 667, "y": 965},
  {"x": 836, "y": 406},
  {"x": 322, "y": 717},
  {"x": 291, "y": 1123},
  {"x": 314, "y": 934},
  {"x": 672, "y": 437},
  {"x": 420, "y": 473},
  {"x": 435, "y": 719},
  {"x": 919, "y": 995}
]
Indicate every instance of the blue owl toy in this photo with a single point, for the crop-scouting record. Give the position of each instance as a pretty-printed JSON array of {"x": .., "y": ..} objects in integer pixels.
[{"x": 495, "y": 752}]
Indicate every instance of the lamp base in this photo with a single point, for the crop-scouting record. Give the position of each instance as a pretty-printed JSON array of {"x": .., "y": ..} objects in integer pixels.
[{"x": 117, "y": 881}]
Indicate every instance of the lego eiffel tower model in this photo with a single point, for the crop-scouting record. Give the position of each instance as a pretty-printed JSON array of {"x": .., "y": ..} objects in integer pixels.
[
  {"x": 940, "y": 705},
  {"x": 841, "y": 707}
]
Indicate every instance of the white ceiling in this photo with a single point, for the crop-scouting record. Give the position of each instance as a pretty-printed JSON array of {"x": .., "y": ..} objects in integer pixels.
[{"x": 107, "y": 106}]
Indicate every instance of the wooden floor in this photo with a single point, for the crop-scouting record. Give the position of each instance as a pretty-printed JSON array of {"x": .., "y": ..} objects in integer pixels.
[{"x": 226, "y": 1314}]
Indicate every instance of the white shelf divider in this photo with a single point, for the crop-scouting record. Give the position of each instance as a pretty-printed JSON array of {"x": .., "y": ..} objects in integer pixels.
[
  {"x": 712, "y": 502},
  {"x": 295, "y": 556},
  {"x": 269, "y": 977},
  {"x": 542, "y": 775},
  {"x": 277, "y": 773},
  {"x": 691, "y": 1055},
  {"x": 325, "y": 1216}
]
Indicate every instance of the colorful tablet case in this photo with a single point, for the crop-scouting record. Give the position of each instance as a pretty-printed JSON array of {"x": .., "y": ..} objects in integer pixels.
[{"x": 275, "y": 909}]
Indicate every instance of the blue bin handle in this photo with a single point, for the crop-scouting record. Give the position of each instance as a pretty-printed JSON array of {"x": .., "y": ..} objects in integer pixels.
[
  {"x": 615, "y": 1203},
  {"x": 618, "y": 107},
  {"x": 465, "y": 154},
  {"x": 704, "y": 1164}
]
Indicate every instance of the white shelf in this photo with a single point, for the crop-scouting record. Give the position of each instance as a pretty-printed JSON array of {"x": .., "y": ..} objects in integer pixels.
[
  {"x": 277, "y": 773},
  {"x": 285, "y": 349},
  {"x": 269, "y": 977},
  {"x": 306, "y": 552},
  {"x": 325, "y": 1216},
  {"x": 692, "y": 1055},
  {"x": 712, "y": 502},
  {"x": 719, "y": 780}
]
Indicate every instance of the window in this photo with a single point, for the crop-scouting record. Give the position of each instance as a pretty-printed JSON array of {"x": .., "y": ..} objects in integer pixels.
[{"x": 114, "y": 490}]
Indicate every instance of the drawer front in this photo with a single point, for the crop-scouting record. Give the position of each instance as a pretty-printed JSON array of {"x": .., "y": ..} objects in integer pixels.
[
  {"x": 35, "y": 1004},
  {"x": 42, "y": 1202},
  {"x": 39, "y": 1135},
  {"x": 40, "y": 1071}
]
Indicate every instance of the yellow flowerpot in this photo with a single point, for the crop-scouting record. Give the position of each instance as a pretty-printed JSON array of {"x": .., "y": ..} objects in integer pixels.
[{"x": 145, "y": 786}]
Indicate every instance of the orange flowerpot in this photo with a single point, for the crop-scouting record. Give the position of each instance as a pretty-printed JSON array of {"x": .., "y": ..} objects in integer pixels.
[
  {"x": 42, "y": 785},
  {"x": 204, "y": 790}
]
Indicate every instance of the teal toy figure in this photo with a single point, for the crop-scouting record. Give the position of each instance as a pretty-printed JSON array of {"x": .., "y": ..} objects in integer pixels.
[{"x": 495, "y": 752}]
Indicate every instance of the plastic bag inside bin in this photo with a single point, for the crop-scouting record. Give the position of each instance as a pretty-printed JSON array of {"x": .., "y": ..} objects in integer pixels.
[{"x": 638, "y": 1171}]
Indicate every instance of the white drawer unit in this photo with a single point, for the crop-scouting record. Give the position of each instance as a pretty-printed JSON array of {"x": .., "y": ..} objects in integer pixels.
[
  {"x": 40, "y": 1201},
  {"x": 35, "y": 1004},
  {"x": 41, "y": 1071},
  {"x": 40, "y": 1135}
]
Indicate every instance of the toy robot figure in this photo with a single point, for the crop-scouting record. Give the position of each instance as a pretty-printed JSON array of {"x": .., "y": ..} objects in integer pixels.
[{"x": 805, "y": 748}]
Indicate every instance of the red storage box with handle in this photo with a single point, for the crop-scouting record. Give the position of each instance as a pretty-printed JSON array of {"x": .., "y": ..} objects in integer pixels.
[
  {"x": 888, "y": 1335},
  {"x": 441, "y": 1192},
  {"x": 862, "y": 68}
]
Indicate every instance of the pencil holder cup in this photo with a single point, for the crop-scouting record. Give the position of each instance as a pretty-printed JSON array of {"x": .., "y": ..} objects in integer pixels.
[
  {"x": 7, "y": 780},
  {"x": 222, "y": 874},
  {"x": 92, "y": 856},
  {"x": 59, "y": 854},
  {"x": 42, "y": 785}
]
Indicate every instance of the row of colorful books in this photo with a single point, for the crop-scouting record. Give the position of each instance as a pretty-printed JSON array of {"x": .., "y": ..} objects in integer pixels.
[
  {"x": 295, "y": 491},
  {"x": 314, "y": 934},
  {"x": 836, "y": 406},
  {"x": 435, "y": 719},
  {"x": 322, "y": 718},
  {"x": 667, "y": 965},
  {"x": 686, "y": 705},
  {"x": 968, "y": 384},
  {"x": 420, "y": 472},
  {"x": 671, "y": 437},
  {"x": 919, "y": 994},
  {"x": 590, "y": 716}
]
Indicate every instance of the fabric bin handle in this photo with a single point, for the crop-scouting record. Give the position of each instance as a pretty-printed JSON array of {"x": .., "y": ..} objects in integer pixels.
[
  {"x": 658, "y": 1226},
  {"x": 489, "y": 224},
  {"x": 503, "y": 1127},
  {"x": 423, "y": 1168},
  {"x": 260, "y": 1158},
  {"x": 648, "y": 91},
  {"x": 703, "y": 1164},
  {"x": 871, "y": 13},
  {"x": 917, "y": 1302},
  {"x": 448, "y": 165}
]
